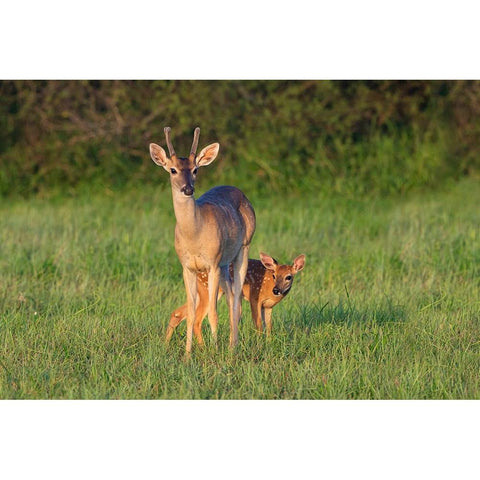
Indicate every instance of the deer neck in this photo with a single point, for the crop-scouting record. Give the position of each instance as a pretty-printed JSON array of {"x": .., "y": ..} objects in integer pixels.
[{"x": 186, "y": 213}]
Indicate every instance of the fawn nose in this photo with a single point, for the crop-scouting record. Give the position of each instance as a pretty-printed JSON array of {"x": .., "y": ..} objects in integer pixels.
[
  {"x": 276, "y": 291},
  {"x": 187, "y": 190}
]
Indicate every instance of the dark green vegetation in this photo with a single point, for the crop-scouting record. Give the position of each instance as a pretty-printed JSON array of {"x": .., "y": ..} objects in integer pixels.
[
  {"x": 387, "y": 306},
  {"x": 349, "y": 137}
]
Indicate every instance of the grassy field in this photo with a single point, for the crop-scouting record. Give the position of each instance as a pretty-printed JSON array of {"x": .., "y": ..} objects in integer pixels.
[{"x": 387, "y": 306}]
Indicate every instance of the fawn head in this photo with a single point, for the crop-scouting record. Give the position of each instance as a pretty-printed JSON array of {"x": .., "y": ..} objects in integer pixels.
[
  {"x": 282, "y": 274},
  {"x": 183, "y": 171}
]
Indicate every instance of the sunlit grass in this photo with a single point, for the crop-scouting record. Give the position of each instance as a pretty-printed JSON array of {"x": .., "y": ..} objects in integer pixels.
[{"x": 386, "y": 307}]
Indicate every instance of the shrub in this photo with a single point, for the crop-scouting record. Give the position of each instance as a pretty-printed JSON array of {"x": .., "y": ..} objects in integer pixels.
[{"x": 354, "y": 137}]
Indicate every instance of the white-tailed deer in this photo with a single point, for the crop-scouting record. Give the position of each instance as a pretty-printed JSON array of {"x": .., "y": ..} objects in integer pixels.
[
  {"x": 266, "y": 284},
  {"x": 211, "y": 233}
]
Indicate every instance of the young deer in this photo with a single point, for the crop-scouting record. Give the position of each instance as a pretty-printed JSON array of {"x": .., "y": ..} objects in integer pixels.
[
  {"x": 266, "y": 284},
  {"x": 211, "y": 233}
]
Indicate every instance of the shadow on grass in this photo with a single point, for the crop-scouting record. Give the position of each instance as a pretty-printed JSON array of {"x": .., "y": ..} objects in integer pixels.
[
  {"x": 311, "y": 316},
  {"x": 299, "y": 319}
]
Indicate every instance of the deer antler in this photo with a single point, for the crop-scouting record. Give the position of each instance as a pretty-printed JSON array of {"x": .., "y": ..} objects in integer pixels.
[
  {"x": 196, "y": 135},
  {"x": 171, "y": 150}
]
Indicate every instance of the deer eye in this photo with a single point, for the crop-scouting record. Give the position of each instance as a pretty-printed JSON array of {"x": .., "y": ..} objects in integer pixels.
[
  {"x": 288, "y": 277},
  {"x": 195, "y": 171},
  {"x": 273, "y": 275},
  {"x": 173, "y": 171}
]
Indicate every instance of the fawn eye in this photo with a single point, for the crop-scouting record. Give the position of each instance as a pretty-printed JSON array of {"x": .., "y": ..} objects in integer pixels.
[
  {"x": 173, "y": 171},
  {"x": 273, "y": 275},
  {"x": 288, "y": 277},
  {"x": 195, "y": 171}
]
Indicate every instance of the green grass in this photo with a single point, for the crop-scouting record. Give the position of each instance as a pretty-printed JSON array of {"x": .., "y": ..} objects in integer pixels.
[{"x": 386, "y": 308}]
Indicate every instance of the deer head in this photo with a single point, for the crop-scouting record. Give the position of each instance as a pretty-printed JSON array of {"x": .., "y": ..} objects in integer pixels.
[
  {"x": 183, "y": 171},
  {"x": 282, "y": 274}
]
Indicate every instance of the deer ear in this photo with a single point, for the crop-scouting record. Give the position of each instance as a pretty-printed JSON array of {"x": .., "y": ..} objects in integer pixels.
[
  {"x": 158, "y": 155},
  {"x": 299, "y": 263},
  {"x": 207, "y": 155},
  {"x": 268, "y": 262}
]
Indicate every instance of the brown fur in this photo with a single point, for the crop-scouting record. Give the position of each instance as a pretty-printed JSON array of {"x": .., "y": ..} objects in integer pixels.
[
  {"x": 211, "y": 233},
  {"x": 262, "y": 278}
]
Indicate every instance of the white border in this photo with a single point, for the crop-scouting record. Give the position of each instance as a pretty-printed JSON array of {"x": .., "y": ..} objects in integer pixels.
[
  {"x": 247, "y": 40},
  {"x": 214, "y": 39},
  {"x": 239, "y": 439}
]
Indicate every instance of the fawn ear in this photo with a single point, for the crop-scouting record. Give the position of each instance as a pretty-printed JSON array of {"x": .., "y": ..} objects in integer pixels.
[
  {"x": 268, "y": 262},
  {"x": 299, "y": 263},
  {"x": 159, "y": 156},
  {"x": 207, "y": 155}
]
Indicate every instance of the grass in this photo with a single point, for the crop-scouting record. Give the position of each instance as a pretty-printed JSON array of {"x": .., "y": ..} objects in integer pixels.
[{"x": 386, "y": 308}]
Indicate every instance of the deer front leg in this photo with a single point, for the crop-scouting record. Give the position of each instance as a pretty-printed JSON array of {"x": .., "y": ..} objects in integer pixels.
[
  {"x": 190, "y": 280},
  {"x": 256, "y": 309},
  {"x": 213, "y": 285},
  {"x": 201, "y": 312},
  {"x": 267, "y": 314}
]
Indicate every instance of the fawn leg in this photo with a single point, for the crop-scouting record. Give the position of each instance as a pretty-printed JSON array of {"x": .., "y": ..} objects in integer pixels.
[
  {"x": 256, "y": 309},
  {"x": 176, "y": 318},
  {"x": 268, "y": 320}
]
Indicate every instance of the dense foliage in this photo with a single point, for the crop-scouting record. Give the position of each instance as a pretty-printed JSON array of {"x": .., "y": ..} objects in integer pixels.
[{"x": 353, "y": 137}]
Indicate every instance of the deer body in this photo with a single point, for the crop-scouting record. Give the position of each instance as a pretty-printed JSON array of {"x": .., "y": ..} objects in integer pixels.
[
  {"x": 213, "y": 228},
  {"x": 210, "y": 234},
  {"x": 266, "y": 284}
]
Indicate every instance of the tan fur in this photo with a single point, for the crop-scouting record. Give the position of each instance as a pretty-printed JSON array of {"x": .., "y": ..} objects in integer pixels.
[
  {"x": 211, "y": 233},
  {"x": 257, "y": 289}
]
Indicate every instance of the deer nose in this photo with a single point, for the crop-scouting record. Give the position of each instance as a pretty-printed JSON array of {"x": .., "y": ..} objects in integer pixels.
[
  {"x": 187, "y": 190},
  {"x": 276, "y": 291}
]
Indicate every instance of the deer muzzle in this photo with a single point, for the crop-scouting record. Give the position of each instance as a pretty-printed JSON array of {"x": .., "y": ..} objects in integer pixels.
[
  {"x": 188, "y": 182},
  {"x": 277, "y": 291},
  {"x": 187, "y": 190}
]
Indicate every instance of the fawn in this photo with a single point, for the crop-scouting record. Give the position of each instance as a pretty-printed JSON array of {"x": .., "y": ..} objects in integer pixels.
[
  {"x": 210, "y": 234},
  {"x": 266, "y": 284}
]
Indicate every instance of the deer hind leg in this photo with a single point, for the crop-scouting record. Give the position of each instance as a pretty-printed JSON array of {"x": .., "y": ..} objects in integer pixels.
[
  {"x": 240, "y": 265},
  {"x": 227, "y": 288}
]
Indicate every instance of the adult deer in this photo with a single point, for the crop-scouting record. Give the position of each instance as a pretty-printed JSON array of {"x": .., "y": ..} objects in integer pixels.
[
  {"x": 267, "y": 283},
  {"x": 210, "y": 233}
]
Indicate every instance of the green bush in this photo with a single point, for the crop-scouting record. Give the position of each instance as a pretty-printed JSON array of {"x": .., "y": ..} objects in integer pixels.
[{"x": 351, "y": 137}]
